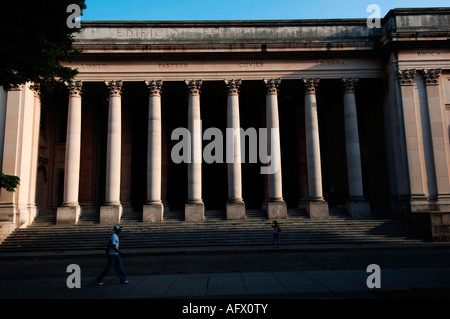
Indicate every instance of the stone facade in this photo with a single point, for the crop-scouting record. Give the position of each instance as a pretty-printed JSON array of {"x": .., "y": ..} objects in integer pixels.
[{"x": 355, "y": 116}]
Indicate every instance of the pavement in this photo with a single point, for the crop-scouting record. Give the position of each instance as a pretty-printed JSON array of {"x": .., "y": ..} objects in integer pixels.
[{"x": 294, "y": 272}]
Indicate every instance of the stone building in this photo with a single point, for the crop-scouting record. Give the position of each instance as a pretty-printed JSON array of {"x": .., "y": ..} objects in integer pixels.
[{"x": 349, "y": 114}]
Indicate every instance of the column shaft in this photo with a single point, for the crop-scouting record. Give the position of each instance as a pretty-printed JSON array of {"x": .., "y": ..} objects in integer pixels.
[
  {"x": 312, "y": 143},
  {"x": 235, "y": 208},
  {"x": 273, "y": 140},
  {"x": 352, "y": 140},
  {"x": 194, "y": 210},
  {"x": 316, "y": 206},
  {"x": 114, "y": 145},
  {"x": 413, "y": 134},
  {"x": 357, "y": 206},
  {"x": 154, "y": 146},
  {"x": 233, "y": 124},
  {"x": 153, "y": 209},
  {"x": 276, "y": 207},
  {"x": 439, "y": 135},
  {"x": 111, "y": 212},
  {"x": 70, "y": 210},
  {"x": 73, "y": 147},
  {"x": 34, "y": 154}
]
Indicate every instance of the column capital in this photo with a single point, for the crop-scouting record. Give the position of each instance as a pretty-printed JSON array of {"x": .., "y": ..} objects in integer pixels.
[
  {"x": 154, "y": 87},
  {"x": 114, "y": 87},
  {"x": 75, "y": 88},
  {"x": 194, "y": 86},
  {"x": 310, "y": 85},
  {"x": 36, "y": 89},
  {"x": 272, "y": 86},
  {"x": 233, "y": 86},
  {"x": 18, "y": 87},
  {"x": 431, "y": 76},
  {"x": 349, "y": 84},
  {"x": 406, "y": 77}
]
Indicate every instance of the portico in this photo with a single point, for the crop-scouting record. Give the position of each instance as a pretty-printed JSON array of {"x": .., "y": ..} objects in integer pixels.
[
  {"x": 153, "y": 208},
  {"x": 348, "y": 123}
]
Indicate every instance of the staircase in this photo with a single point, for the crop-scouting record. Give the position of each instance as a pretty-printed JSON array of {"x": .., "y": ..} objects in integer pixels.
[{"x": 215, "y": 230}]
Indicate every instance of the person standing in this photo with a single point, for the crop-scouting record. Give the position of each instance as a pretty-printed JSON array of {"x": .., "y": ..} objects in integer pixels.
[
  {"x": 114, "y": 258},
  {"x": 276, "y": 234}
]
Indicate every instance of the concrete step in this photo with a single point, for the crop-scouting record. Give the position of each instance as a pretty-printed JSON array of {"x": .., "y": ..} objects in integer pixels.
[{"x": 298, "y": 228}]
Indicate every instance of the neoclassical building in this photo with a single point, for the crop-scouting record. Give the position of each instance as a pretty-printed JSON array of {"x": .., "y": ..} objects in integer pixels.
[{"x": 348, "y": 115}]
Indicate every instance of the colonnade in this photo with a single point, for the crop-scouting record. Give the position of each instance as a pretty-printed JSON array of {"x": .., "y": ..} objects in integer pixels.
[
  {"x": 153, "y": 209},
  {"x": 426, "y": 136}
]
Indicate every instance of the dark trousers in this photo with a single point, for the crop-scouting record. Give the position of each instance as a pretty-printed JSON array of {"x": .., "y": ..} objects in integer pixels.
[{"x": 116, "y": 262}]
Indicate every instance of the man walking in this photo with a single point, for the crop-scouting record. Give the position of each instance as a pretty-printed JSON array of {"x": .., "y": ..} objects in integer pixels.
[{"x": 114, "y": 259}]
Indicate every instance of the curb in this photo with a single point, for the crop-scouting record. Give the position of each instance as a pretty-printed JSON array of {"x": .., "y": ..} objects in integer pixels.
[{"x": 224, "y": 250}]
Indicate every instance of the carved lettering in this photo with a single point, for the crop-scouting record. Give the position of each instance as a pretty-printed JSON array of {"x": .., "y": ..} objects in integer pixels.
[
  {"x": 147, "y": 33},
  {"x": 251, "y": 64},
  {"x": 93, "y": 66},
  {"x": 173, "y": 65},
  {"x": 329, "y": 62},
  {"x": 428, "y": 53},
  {"x": 212, "y": 33}
]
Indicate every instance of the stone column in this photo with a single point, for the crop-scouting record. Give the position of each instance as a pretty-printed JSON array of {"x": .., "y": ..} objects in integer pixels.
[
  {"x": 357, "y": 206},
  {"x": 439, "y": 138},
  {"x": 413, "y": 136},
  {"x": 194, "y": 208},
  {"x": 111, "y": 212},
  {"x": 3, "y": 95},
  {"x": 276, "y": 206},
  {"x": 235, "y": 208},
  {"x": 70, "y": 210},
  {"x": 33, "y": 209},
  {"x": 153, "y": 209},
  {"x": 316, "y": 206}
]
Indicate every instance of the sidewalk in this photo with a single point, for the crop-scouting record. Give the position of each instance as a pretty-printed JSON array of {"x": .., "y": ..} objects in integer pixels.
[
  {"x": 267, "y": 285},
  {"x": 218, "y": 273}
]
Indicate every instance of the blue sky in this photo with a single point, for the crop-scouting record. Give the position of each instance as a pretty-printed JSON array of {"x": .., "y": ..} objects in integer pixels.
[{"x": 241, "y": 9}]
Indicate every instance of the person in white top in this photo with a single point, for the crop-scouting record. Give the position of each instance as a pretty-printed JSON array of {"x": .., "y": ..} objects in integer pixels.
[{"x": 114, "y": 258}]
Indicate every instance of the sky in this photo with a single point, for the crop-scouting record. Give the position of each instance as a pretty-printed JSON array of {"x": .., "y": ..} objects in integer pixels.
[{"x": 164, "y": 10}]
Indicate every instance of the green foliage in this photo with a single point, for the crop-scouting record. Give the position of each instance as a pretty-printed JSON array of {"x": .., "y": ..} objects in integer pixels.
[
  {"x": 34, "y": 39},
  {"x": 9, "y": 182}
]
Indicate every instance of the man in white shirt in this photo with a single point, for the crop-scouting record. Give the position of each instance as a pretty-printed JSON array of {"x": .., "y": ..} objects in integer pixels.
[{"x": 114, "y": 259}]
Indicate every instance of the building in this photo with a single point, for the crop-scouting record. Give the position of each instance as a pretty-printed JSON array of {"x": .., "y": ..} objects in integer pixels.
[{"x": 355, "y": 114}]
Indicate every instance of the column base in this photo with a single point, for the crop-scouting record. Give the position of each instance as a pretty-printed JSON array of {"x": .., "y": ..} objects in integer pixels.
[
  {"x": 317, "y": 209},
  {"x": 23, "y": 217},
  {"x": 194, "y": 212},
  {"x": 127, "y": 207},
  {"x": 34, "y": 212},
  {"x": 358, "y": 208},
  {"x": 68, "y": 215},
  {"x": 153, "y": 213},
  {"x": 302, "y": 203},
  {"x": 235, "y": 210},
  {"x": 276, "y": 210},
  {"x": 435, "y": 225},
  {"x": 423, "y": 204},
  {"x": 110, "y": 214},
  {"x": 7, "y": 213}
]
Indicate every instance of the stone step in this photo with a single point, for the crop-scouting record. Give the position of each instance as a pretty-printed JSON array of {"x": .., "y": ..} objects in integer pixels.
[{"x": 88, "y": 234}]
